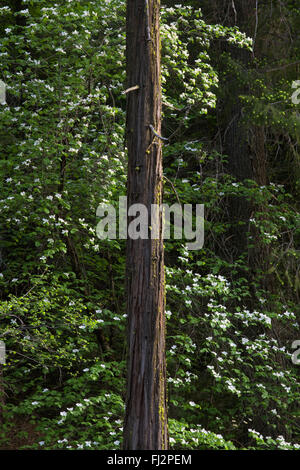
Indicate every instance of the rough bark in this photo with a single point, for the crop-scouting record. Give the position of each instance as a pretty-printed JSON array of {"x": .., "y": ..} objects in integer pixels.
[
  {"x": 246, "y": 156},
  {"x": 2, "y": 396},
  {"x": 145, "y": 424}
]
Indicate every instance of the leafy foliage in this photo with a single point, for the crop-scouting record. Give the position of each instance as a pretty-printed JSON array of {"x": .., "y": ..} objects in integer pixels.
[{"x": 231, "y": 380}]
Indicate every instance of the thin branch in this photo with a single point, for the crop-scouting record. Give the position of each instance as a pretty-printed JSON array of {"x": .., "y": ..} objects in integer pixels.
[
  {"x": 234, "y": 9},
  {"x": 173, "y": 187},
  {"x": 156, "y": 134},
  {"x": 281, "y": 67},
  {"x": 135, "y": 87},
  {"x": 256, "y": 25}
]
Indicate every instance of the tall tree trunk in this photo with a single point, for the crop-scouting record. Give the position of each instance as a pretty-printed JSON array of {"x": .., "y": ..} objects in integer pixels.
[
  {"x": 145, "y": 424},
  {"x": 236, "y": 135},
  {"x": 2, "y": 396}
]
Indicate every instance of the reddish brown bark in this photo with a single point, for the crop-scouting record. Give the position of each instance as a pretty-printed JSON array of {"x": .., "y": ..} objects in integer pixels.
[
  {"x": 2, "y": 397},
  {"x": 145, "y": 424}
]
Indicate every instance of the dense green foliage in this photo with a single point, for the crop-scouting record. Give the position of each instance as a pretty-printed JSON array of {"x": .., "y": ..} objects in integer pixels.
[{"x": 232, "y": 313}]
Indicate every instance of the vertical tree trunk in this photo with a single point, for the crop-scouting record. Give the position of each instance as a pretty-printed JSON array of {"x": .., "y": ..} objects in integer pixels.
[
  {"x": 2, "y": 398},
  {"x": 145, "y": 424}
]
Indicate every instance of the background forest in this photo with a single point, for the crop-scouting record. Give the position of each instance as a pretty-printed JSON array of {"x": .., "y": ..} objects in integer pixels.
[{"x": 233, "y": 306}]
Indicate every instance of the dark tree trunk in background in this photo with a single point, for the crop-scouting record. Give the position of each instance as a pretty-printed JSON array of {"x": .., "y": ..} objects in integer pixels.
[
  {"x": 244, "y": 143},
  {"x": 236, "y": 134},
  {"x": 145, "y": 424},
  {"x": 241, "y": 142}
]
